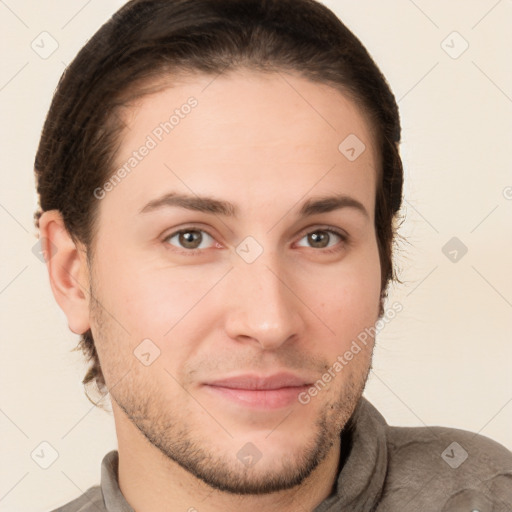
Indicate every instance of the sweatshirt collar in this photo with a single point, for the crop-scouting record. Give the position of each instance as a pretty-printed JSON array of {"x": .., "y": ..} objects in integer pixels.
[{"x": 361, "y": 479}]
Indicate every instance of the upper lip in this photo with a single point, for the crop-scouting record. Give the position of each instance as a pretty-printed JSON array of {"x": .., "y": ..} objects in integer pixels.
[{"x": 255, "y": 382}]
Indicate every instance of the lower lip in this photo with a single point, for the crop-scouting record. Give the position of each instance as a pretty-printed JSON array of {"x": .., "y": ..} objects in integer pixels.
[{"x": 260, "y": 399}]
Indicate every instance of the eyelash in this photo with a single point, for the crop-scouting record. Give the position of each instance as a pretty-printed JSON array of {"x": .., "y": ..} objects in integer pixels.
[{"x": 193, "y": 252}]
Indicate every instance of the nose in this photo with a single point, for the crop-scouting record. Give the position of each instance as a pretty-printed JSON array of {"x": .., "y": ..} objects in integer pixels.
[{"x": 262, "y": 304}]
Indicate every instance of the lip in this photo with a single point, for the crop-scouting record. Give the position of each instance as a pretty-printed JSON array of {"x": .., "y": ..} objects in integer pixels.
[
  {"x": 260, "y": 392},
  {"x": 260, "y": 382}
]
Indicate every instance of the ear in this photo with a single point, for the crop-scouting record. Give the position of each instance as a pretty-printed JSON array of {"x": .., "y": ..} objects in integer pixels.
[{"x": 67, "y": 269}]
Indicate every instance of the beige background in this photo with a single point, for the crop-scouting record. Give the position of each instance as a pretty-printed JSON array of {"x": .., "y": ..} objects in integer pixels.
[{"x": 444, "y": 360}]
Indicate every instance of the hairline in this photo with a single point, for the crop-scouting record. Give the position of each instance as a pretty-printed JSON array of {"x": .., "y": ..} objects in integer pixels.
[{"x": 162, "y": 79}]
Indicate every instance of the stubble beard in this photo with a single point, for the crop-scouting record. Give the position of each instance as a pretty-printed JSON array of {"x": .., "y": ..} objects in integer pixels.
[{"x": 177, "y": 441}]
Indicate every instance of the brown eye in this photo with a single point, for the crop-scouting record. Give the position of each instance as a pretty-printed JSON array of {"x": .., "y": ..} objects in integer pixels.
[
  {"x": 323, "y": 238},
  {"x": 190, "y": 239},
  {"x": 319, "y": 239}
]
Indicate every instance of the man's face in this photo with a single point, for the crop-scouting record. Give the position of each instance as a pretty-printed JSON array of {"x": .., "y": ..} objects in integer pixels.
[{"x": 237, "y": 305}]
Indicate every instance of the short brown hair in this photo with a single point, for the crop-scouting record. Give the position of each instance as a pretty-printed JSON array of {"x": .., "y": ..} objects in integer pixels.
[{"x": 148, "y": 39}]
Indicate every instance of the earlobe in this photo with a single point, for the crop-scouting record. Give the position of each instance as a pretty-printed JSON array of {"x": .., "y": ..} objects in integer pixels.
[{"x": 67, "y": 269}]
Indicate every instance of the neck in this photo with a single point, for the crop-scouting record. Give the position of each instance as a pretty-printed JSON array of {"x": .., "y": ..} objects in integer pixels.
[{"x": 151, "y": 482}]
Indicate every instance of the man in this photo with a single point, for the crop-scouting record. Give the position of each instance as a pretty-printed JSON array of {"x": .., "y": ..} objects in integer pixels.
[{"x": 219, "y": 182}]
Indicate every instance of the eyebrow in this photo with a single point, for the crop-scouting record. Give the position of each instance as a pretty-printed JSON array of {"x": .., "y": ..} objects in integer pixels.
[{"x": 312, "y": 206}]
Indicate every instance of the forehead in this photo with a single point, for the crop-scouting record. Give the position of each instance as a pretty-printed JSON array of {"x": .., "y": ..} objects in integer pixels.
[{"x": 216, "y": 134}]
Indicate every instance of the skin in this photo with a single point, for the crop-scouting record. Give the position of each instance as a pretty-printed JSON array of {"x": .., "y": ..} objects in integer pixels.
[{"x": 255, "y": 141}]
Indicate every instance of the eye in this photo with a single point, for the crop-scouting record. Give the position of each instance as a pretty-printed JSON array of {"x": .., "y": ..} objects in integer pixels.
[
  {"x": 320, "y": 239},
  {"x": 189, "y": 238},
  {"x": 192, "y": 240}
]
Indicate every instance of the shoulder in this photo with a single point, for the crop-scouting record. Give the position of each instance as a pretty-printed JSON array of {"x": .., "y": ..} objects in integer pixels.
[
  {"x": 447, "y": 462},
  {"x": 90, "y": 501},
  {"x": 453, "y": 446}
]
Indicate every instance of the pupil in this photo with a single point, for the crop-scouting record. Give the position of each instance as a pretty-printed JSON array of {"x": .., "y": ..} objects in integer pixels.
[
  {"x": 189, "y": 237},
  {"x": 315, "y": 238}
]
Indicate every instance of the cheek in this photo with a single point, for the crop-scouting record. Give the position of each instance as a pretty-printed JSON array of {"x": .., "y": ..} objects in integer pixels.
[
  {"x": 134, "y": 296},
  {"x": 164, "y": 305},
  {"x": 152, "y": 303},
  {"x": 350, "y": 299}
]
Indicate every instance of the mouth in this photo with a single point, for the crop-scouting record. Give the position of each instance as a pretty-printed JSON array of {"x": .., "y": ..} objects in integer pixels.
[{"x": 259, "y": 392}]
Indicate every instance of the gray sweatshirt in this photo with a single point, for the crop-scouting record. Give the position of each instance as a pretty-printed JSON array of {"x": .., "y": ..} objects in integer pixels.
[{"x": 383, "y": 469}]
